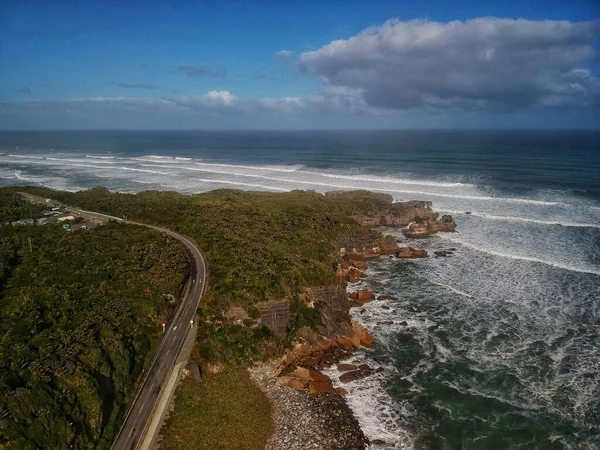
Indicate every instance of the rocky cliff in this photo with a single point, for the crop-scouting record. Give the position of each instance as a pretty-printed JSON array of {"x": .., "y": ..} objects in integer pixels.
[{"x": 371, "y": 209}]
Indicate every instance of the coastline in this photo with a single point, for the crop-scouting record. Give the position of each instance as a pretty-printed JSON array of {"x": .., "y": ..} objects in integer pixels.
[
  {"x": 302, "y": 420},
  {"x": 309, "y": 385}
]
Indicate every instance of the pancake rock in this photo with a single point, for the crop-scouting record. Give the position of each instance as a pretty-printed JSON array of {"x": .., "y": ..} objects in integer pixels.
[
  {"x": 421, "y": 228},
  {"x": 372, "y": 209}
]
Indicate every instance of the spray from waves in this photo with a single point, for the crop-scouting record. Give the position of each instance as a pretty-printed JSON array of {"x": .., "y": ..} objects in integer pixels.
[
  {"x": 525, "y": 219},
  {"x": 78, "y": 160},
  {"x": 375, "y": 179},
  {"x": 380, "y": 418},
  {"x": 119, "y": 168},
  {"x": 51, "y": 183},
  {"x": 403, "y": 191},
  {"x": 311, "y": 178},
  {"x": 558, "y": 265},
  {"x": 287, "y": 169},
  {"x": 25, "y": 156},
  {"x": 235, "y": 183}
]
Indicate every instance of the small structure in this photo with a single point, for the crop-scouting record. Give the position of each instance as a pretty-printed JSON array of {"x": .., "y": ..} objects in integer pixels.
[
  {"x": 195, "y": 370},
  {"x": 275, "y": 314}
]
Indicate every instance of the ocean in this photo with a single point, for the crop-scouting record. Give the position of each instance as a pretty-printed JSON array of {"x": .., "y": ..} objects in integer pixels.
[{"x": 496, "y": 346}]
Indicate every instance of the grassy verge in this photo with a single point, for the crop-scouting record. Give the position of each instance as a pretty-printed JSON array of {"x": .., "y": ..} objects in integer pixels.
[{"x": 223, "y": 411}]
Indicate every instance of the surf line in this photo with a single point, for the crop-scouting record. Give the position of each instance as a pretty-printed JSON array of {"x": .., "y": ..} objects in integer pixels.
[{"x": 522, "y": 258}]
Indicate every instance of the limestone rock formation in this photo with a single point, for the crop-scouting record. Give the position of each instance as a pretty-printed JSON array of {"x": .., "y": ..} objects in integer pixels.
[{"x": 422, "y": 228}]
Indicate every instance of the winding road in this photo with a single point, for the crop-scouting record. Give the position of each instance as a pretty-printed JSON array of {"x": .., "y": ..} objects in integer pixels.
[{"x": 165, "y": 358}]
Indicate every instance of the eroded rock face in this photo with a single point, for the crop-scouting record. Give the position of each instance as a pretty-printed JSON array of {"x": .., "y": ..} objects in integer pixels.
[
  {"x": 397, "y": 214},
  {"x": 409, "y": 252},
  {"x": 426, "y": 228}
]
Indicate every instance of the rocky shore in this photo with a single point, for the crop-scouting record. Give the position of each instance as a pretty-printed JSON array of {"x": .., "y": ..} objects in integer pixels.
[
  {"x": 304, "y": 421},
  {"x": 309, "y": 411}
]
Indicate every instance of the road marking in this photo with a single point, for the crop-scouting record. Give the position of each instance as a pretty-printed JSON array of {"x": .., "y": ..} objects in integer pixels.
[{"x": 142, "y": 408}]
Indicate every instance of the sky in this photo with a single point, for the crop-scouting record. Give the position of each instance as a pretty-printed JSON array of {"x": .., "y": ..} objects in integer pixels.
[{"x": 80, "y": 64}]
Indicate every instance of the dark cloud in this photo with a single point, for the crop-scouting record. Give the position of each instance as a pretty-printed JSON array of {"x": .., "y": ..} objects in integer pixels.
[
  {"x": 199, "y": 71},
  {"x": 134, "y": 86},
  {"x": 487, "y": 63}
]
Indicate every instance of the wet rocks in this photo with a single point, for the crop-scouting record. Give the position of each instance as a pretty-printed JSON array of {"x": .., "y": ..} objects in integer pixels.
[
  {"x": 361, "y": 297},
  {"x": 409, "y": 252},
  {"x": 363, "y": 372},
  {"x": 354, "y": 275},
  {"x": 307, "y": 421}
]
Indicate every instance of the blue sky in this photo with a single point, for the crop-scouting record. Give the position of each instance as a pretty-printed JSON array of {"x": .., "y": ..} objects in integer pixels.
[{"x": 276, "y": 64}]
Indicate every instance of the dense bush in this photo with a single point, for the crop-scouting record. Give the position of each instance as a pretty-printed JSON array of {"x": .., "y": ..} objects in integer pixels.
[{"x": 79, "y": 316}]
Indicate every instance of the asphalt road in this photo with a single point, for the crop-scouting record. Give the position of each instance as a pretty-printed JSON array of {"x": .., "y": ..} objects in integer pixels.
[{"x": 165, "y": 357}]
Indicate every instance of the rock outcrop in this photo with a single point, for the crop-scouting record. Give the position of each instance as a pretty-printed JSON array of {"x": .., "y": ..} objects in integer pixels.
[
  {"x": 331, "y": 342},
  {"x": 409, "y": 252},
  {"x": 363, "y": 371},
  {"x": 422, "y": 228},
  {"x": 361, "y": 297},
  {"x": 372, "y": 209},
  {"x": 397, "y": 215}
]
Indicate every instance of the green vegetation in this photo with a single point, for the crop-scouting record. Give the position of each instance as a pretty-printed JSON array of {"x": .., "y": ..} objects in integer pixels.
[
  {"x": 223, "y": 411},
  {"x": 79, "y": 316},
  {"x": 14, "y": 207},
  {"x": 260, "y": 246}
]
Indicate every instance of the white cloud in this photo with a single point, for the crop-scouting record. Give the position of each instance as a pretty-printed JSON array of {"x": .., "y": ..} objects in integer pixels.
[
  {"x": 220, "y": 97},
  {"x": 284, "y": 54},
  {"x": 485, "y": 63}
]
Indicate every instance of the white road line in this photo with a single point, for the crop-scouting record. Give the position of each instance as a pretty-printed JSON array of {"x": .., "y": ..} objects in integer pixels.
[{"x": 142, "y": 408}]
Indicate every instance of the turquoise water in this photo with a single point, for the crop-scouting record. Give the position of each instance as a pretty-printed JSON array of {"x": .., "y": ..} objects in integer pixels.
[{"x": 494, "y": 347}]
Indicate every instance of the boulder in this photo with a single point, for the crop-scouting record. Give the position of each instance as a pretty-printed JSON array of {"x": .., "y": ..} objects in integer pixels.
[
  {"x": 340, "y": 390},
  {"x": 304, "y": 374},
  {"x": 359, "y": 374},
  {"x": 361, "y": 265},
  {"x": 354, "y": 275},
  {"x": 385, "y": 297},
  {"x": 361, "y": 297},
  {"x": 346, "y": 367},
  {"x": 419, "y": 253},
  {"x": 319, "y": 387},
  {"x": 291, "y": 382},
  {"x": 366, "y": 340},
  {"x": 389, "y": 245},
  {"x": 348, "y": 343}
]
